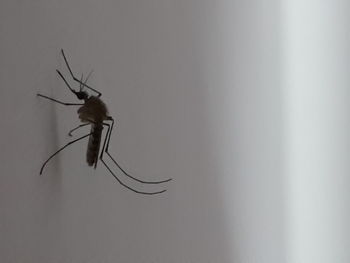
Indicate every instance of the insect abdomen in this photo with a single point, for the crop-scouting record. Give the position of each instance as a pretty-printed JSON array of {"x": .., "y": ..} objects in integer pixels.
[{"x": 94, "y": 145}]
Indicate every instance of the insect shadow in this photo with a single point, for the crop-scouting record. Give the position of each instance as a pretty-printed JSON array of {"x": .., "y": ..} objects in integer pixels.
[{"x": 94, "y": 112}]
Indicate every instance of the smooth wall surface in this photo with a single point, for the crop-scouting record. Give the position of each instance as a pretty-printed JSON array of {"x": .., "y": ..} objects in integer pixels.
[
  {"x": 317, "y": 95},
  {"x": 201, "y": 92}
]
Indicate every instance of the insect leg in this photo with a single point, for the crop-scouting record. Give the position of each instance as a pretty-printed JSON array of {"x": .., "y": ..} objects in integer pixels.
[
  {"x": 117, "y": 164},
  {"x": 65, "y": 81},
  {"x": 87, "y": 78},
  {"x": 81, "y": 125},
  {"x": 116, "y": 177},
  {"x": 60, "y": 102},
  {"x": 76, "y": 79},
  {"x": 42, "y": 167},
  {"x": 128, "y": 187}
]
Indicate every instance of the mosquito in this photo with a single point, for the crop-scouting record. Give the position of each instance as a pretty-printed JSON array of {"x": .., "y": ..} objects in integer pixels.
[{"x": 93, "y": 111}]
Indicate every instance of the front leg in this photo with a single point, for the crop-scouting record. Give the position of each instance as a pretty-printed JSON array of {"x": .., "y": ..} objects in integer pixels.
[
  {"x": 76, "y": 79},
  {"x": 60, "y": 102}
]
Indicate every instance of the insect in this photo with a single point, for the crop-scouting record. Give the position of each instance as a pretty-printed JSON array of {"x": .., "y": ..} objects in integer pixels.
[{"x": 94, "y": 112}]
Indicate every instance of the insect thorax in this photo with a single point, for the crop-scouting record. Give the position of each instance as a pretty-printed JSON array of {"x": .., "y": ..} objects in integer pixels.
[{"x": 94, "y": 110}]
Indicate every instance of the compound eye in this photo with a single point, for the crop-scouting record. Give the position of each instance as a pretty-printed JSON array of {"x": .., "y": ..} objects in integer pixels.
[{"x": 81, "y": 95}]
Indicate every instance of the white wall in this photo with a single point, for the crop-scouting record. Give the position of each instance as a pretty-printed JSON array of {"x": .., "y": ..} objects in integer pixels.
[
  {"x": 317, "y": 95},
  {"x": 203, "y": 92}
]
